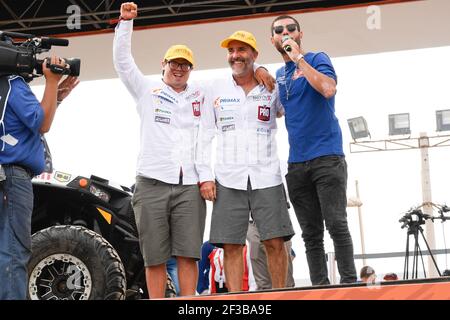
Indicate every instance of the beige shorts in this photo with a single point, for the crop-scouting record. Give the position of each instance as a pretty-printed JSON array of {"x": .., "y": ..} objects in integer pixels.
[{"x": 170, "y": 220}]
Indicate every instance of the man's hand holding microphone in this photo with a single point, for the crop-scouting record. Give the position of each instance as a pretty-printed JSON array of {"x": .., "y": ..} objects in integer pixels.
[{"x": 292, "y": 49}]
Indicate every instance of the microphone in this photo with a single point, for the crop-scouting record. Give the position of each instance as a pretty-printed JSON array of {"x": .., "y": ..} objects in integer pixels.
[
  {"x": 287, "y": 47},
  {"x": 48, "y": 42}
]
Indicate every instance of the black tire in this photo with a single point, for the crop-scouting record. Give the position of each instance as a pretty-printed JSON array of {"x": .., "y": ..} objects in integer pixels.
[{"x": 74, "y": 263}]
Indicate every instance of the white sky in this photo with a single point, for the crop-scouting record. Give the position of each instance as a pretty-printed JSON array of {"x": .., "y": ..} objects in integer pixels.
[{"x": 96, "y": 131}]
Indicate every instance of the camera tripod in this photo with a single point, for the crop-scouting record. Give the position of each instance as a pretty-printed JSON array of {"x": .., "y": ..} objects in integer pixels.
[{"x": 413, "y": 221}]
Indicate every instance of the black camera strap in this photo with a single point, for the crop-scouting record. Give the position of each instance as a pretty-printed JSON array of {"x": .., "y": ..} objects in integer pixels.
[{"x": 5, "y": 88}]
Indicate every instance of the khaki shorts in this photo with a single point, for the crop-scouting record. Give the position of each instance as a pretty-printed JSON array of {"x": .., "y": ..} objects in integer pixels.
[
  {"x": 170, "y": 220},
  {"x": 230, "y": 216}
]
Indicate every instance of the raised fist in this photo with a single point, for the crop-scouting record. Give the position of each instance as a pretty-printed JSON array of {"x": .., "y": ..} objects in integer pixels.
[{"x": 128, "y": 10}]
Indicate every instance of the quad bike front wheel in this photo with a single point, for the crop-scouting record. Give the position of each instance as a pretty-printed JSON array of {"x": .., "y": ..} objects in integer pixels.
[{"x": 74, "y": 263}]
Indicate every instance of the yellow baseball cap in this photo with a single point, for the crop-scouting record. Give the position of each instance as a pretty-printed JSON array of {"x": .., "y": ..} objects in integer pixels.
[
  {"x": 242, "y": 36},
  {"x": 179, "y": 51}
]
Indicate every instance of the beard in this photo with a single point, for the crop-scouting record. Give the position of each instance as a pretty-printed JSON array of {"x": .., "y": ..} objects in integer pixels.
[
  {"x": 242, "y": 69},
  {"x": 279, "y": 48}
]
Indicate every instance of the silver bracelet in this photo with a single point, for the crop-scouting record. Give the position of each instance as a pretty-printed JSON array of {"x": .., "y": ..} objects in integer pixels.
[{"x": 299, "y": 57}]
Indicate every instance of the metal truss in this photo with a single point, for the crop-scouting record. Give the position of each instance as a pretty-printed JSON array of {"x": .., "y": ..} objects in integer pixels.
[
  {"x": 400, "y": 144},
  {"x": 49, "y": 17}
]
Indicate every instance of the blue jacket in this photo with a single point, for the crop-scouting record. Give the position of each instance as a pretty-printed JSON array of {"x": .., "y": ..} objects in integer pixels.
[{"x": 19, "y": 133}]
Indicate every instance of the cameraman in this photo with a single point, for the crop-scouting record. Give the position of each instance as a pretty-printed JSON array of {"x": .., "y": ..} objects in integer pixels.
[{"x": 22, "y": 123}]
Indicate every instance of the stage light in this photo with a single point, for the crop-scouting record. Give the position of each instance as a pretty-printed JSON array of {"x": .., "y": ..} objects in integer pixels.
[
  {"x": 442, "y": 120},
  {"x": 358, "y": 128},
  {"x": 399, "y": 124}
]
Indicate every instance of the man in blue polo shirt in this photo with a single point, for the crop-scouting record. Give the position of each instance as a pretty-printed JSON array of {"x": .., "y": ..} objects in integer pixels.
[
  {"x": 22, "y": 122},
  {"x": 317, "y": 170}
]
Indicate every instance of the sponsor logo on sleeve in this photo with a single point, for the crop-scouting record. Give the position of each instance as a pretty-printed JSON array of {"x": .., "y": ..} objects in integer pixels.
[
  {"x": 263, "y": 113},
  {"x": 196, "y": 108}
]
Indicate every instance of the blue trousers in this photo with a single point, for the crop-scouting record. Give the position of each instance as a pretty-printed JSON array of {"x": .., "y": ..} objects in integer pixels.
[
  {"x": 172, "y": 270},
  {"x": 317, "y": 189},
  {"x": 16, "y": 207}
]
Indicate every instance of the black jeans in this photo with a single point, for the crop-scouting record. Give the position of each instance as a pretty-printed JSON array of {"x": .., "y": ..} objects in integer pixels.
[{"x": 317, "y": 190}]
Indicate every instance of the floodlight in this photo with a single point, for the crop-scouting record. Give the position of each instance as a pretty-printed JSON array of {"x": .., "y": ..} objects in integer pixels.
[
  {"x": 442, "y": 120},
  {"x": 399, "y": 124},
  {"x": 358, "y": 128}
]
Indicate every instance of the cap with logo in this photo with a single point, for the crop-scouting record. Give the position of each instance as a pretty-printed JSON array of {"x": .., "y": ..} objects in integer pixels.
[
  {"x": 243, "y": 36},
  {"x": 179, "y": 51}
]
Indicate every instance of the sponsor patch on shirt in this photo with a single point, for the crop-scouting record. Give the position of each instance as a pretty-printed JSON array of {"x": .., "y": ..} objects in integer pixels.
[
  {"x": 193, "y": 95},
  {"x": 281, "y": 80},
  {"x": 165, "y": 120},
  {"x": 263, "y": 113},
  {"x": 164, "y": 95},
  {"x": 196, "y": 108},
  {"x": 262, "y": 97},
  {"x": 264, "y": 131},
  {"x": 163, "y": 111},
  {"x": 224, "y": 102},
  {"x": 297, "y": 74},
  {"x": 226, "y": 119},
  {"x": 228, "y": 127},
  {"x": 160, "y": 97}
]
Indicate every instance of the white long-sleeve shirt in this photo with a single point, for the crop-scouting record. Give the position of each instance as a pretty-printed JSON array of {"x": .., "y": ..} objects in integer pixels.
[
  {"x": 245, "y": 126},
  {"x": 169, "y": 120}
]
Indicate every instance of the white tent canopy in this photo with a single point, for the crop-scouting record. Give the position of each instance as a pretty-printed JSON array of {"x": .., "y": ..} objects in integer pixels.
[{"x": 340, "y": 32}]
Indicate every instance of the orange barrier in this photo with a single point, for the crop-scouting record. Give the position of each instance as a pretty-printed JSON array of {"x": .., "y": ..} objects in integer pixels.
[{"x": 428, "y": 289}]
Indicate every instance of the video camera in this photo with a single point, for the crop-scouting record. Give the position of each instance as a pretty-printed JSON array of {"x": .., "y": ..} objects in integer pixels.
[
  {"x": 414, "y": 216},
  {"x": 19, "y": 58}
]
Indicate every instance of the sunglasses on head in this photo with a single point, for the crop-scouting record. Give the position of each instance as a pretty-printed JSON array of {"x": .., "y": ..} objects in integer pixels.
[{"x": 290, "y": 27}]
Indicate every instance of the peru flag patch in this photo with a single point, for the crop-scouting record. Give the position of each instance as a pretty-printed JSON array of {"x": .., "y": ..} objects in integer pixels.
[
  {"x": 196, "y": 108},
  {"x": 263, "y": 113}
]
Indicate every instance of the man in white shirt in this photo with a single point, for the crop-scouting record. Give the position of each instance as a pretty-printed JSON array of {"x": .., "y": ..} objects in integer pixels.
[
  {"x": 170, "y": 213},
  {"x": 247, "y": 169}
]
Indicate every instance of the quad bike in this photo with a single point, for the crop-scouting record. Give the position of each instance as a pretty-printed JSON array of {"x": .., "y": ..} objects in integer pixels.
[{"x": 85, "y": 242}]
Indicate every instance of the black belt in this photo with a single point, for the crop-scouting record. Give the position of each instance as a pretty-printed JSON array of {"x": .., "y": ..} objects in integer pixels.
[{"x": 26, "y": 169}]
